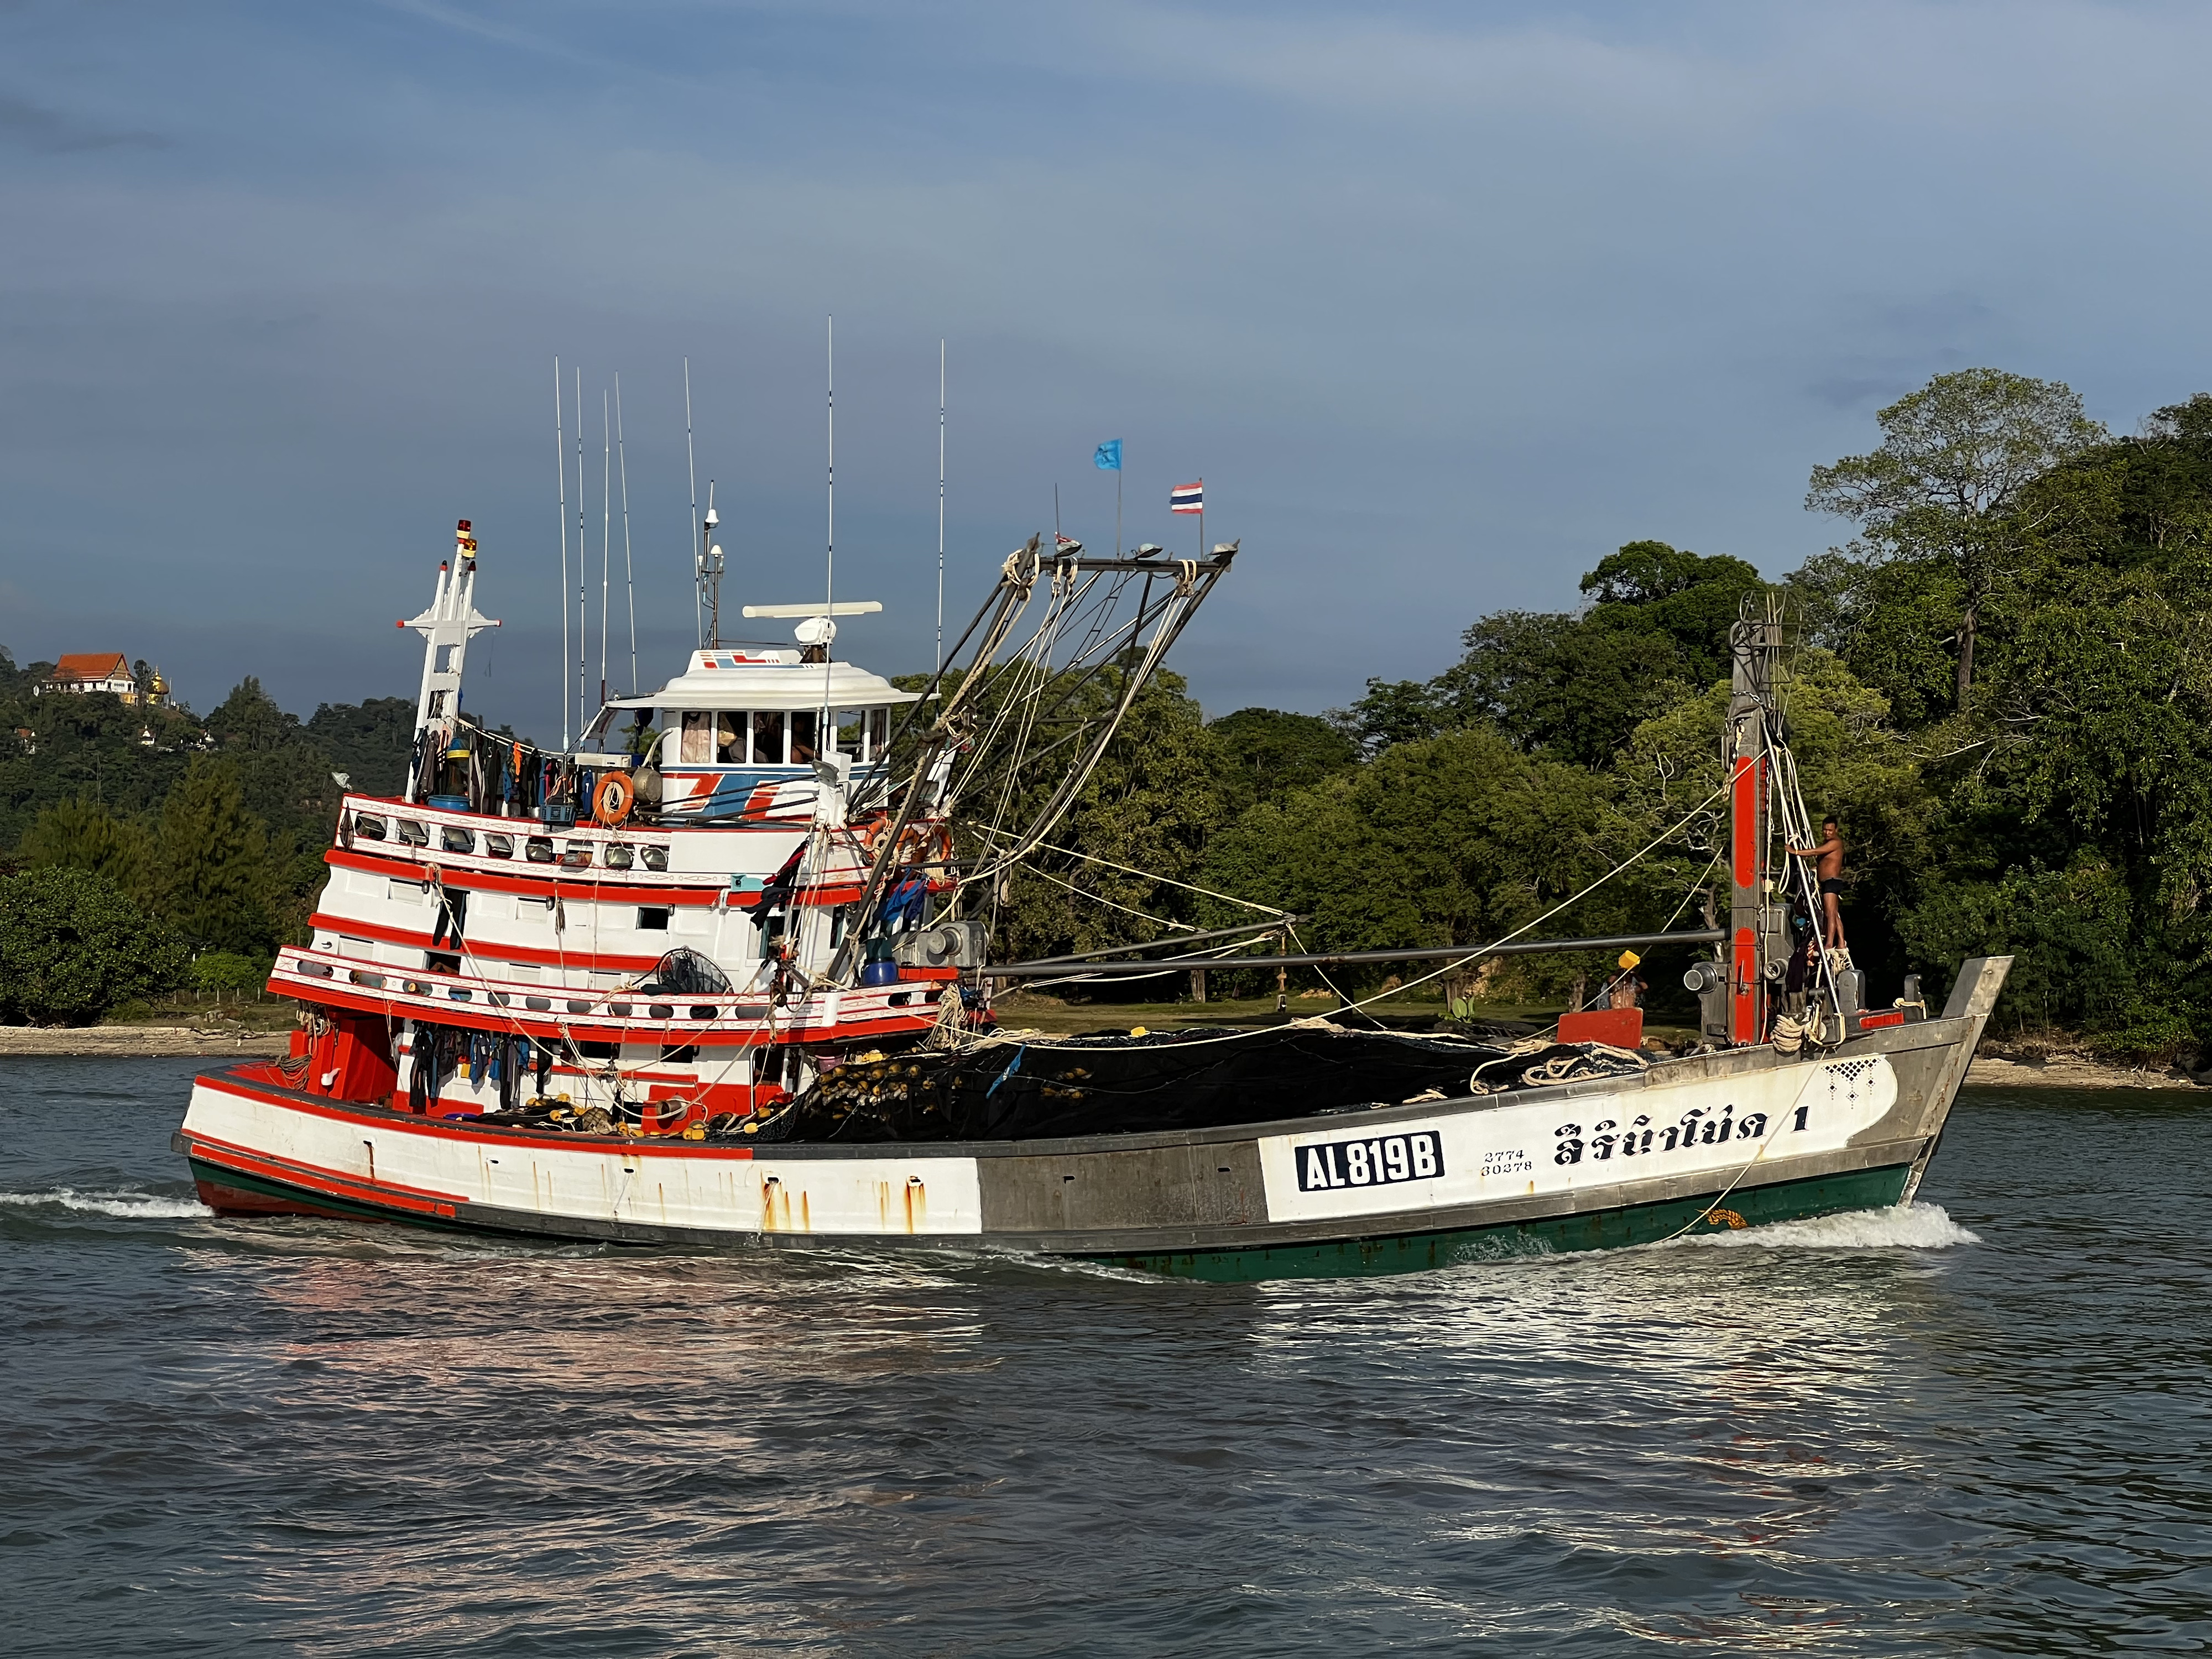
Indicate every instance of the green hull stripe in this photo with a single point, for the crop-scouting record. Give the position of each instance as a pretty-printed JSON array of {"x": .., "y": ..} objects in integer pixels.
[{"x": 1597, "y": 1229}]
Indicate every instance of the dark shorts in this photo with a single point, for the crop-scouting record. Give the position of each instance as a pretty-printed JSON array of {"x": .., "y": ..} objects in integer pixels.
[{"x": 1833, "y": 885}]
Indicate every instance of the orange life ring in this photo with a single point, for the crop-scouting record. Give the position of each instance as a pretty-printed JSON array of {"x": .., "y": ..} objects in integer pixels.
[
  {"x": 612, "y": 799},
  {"x": 920, "y": 840}
]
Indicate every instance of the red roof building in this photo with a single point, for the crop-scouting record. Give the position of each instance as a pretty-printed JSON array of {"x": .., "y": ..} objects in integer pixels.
[{"x": 100, "y": 671}]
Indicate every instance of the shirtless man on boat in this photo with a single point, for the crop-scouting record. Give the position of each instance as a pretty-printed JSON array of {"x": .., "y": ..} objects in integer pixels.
[{"x": 1830, "y": 869}]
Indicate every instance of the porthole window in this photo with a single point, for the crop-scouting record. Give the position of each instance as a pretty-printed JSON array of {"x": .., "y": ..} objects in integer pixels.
[
  {"x": 538, "y": 849},
  {"x": 412, "y": 834},
  {"x": 578, "y": 855},
  {"x": 498, "y": 847},
  {"x": 656, "y": 858},
  {"x": 368, "y": 827},
  {"x": 620, "y": 855},
  {"x": 454, "y": 839}
]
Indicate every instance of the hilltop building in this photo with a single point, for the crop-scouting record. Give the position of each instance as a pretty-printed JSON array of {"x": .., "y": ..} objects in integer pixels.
[{"x": 80, "y": 671}]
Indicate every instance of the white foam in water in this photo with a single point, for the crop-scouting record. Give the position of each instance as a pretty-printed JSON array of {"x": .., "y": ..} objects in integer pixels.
[
  {"x": 1918, "y": 1227},
  {"x": 115, "y": 1201}
]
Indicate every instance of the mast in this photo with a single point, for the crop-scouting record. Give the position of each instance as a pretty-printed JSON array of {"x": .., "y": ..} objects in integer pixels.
[
  {"x": 629, "y": 571},
  {"x": 825, "y": 735},
  {"x": 447, "y": 629},
  {"x": 1757, "y": 921},
  {"x": 698, "y": 547},
  {"x": 561, "y": 461},
  {"x": 579, "y": 688},
  {"x": 940, "y": 507},
  {"x": 606, "y": 530}
]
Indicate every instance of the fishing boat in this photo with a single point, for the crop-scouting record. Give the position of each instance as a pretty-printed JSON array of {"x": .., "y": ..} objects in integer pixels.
[{"x": 719, "y": 971}]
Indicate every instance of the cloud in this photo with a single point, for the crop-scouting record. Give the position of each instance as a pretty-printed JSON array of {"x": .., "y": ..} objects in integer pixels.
[
  {"x": 1443, "y": 303},
  {"x": 30, "y": 127}
]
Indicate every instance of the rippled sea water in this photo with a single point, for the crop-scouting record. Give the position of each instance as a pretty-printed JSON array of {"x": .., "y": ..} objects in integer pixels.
[{"x": 1979, "y": 1425}]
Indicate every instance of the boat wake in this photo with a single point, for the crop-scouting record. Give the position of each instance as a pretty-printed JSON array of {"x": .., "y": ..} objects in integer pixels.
[
  {"x": 120, "y": 1201},
  {"x": 1915, "y": 1227}
]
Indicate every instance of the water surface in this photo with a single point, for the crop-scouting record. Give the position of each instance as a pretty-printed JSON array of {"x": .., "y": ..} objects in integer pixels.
[{"x": 1976, "y": 1426}]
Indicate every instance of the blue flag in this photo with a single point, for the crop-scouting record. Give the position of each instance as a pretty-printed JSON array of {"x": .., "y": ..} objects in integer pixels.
[{"x": 1109, "y": 457}]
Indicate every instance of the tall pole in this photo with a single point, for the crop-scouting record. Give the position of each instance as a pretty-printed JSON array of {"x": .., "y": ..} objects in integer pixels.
[
  {"x": 698, "y": 547},
  {"x": 580, "y": 555},
  {"x": 560, "y": 458},
  {"x": 629, "y": 573},
  {"x": 821, "y": 738},
  {"x": 940, "y": 507},
  {"x": 1122, "y": 455},
  {"x": 606, "y": 530}
]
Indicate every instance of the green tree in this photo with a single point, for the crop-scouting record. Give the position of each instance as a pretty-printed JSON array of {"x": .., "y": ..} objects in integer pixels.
[
  {"x": 1561, "y": 685},
  {"x": 1572, "y": 686},
  {"x": 73, "y": 946},
  {"x": 1649, "y": 587},
  {"x": 1945, "y": 486},
  {"x": 83, "y": 834},
  {"x": 212, "y": 855},
  {"x": 370, "y": 741},
  {"x": 1265, "y": 753},
  {"x": 1148, "y": 809},
  {"x": 1393, "y": 711},
  {"x": 1449, "y": 841}
]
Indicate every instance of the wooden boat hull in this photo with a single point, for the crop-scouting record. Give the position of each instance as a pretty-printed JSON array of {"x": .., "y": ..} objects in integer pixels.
[{"x": 1737, "y": 1137}]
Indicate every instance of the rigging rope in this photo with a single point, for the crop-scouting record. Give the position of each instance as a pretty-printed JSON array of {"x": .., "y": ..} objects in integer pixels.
[{"x": 1480, "y": 952}]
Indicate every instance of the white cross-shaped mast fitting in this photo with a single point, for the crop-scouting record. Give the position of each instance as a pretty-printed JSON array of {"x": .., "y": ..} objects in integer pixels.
[{"x": 446, "y": 628}]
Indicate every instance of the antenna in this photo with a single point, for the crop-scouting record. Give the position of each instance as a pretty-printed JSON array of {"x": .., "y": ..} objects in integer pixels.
[
  {"x": 606, "y": 529},
  {"x": 940, "y": 507},
  {"x": 580, "y": 555},
  {"x": 826, "y": 740},
  {"x": 630, "y": 575},
  {"x": 697, "y": 570},
  {"x": 710, "y": 571},
  {"x": 561, "y": 459}
]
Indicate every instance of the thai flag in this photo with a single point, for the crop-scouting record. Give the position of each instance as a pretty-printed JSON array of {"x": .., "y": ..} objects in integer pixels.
[{"x": 1187, "y": 498}]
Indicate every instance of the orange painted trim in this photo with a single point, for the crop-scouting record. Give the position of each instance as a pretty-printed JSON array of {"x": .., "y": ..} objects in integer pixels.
[
  {"x": 418, "y": 939},
  {"x": 625, "y": 890}
]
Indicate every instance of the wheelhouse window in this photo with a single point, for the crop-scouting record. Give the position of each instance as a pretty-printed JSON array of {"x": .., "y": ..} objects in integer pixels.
[
  {"x": 696, "y": 744},
  {"x": 806, "y": 739},
  {"x": 880, "y": 734},
  {"x": 768, "y": 738}
]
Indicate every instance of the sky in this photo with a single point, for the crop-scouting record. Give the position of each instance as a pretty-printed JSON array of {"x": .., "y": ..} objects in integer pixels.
[{"x": 1443, "y": 302}]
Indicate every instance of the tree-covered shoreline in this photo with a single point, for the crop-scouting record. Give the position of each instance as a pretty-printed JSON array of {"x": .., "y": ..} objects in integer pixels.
[{"x": 1998, "y": 684}]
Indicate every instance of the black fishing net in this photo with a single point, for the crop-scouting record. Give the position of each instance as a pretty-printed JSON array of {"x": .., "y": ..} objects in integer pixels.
[{"x": 1189, "y": 1079}]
